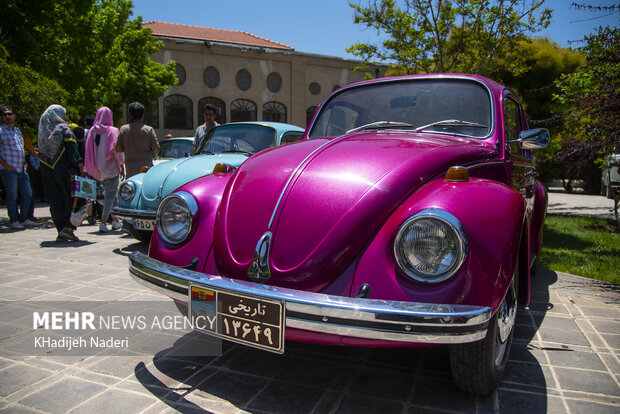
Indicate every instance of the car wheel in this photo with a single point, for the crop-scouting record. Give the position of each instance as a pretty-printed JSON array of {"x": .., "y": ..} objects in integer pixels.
[
  {"x": 142, "y": 235},
  {"x": 478, "y": 367}
]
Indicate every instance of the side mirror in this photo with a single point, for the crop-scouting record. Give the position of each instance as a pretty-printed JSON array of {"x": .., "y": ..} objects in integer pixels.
[{"x": 533, "y": 138}]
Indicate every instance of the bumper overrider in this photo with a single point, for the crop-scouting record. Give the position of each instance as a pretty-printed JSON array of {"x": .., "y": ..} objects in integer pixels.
[{"x": 353, "y": 317}]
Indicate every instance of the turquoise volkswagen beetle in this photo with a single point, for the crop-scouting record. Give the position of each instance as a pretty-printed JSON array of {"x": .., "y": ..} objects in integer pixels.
[{"x": 229, "y": 144}]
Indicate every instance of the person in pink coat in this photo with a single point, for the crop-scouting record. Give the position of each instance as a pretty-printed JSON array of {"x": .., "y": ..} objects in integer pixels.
[{"x": 104, "y": 164}]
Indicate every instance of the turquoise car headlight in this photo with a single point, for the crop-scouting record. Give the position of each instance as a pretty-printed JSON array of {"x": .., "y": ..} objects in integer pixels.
[
  {"x": 127, "y": 191},
  {"x": 175, "y": 216},
  {"x": 430, "y": 246}
]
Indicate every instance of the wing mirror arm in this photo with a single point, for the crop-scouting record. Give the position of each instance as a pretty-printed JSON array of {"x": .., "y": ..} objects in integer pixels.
[{"x": 532, "y": 138}]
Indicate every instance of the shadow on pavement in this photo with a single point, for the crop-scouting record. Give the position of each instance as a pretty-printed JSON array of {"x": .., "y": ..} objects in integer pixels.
[{"x": 316, "y": 378}]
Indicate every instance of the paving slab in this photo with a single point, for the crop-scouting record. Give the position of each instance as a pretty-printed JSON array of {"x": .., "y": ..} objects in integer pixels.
[{"x": 565, "y": 357}]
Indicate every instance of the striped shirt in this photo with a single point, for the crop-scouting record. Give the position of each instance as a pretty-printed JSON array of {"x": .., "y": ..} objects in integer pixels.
[{"x": 12, "y": 147}]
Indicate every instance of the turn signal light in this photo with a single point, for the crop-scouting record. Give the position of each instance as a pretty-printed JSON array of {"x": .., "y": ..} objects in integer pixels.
[
  {"x": 457, "y": 174},
  {"x": 221, "y": 168},
  {"x": 144, "y": 169}
]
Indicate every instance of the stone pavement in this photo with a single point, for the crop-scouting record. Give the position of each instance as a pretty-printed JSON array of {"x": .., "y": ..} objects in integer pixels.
[{"x": 565, "y": 356}]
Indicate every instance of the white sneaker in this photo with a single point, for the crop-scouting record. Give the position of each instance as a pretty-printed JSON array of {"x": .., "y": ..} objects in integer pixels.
[
  {"x": 16, "y": 225},
  {"x": 116, "y": 225},
  {"x": 103, "y": 228},
  {"x": 29, "y": 223}
]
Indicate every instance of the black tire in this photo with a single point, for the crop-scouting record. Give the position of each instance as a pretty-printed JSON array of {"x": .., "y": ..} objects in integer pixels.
[
  {"x": 478, "y": 367},
  {"x": 142, "y": 235}
]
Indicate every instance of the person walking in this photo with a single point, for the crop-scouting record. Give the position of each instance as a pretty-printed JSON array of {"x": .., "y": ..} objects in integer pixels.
[
  {"x": 104, "y": 164},
  {"x": 14, "y": 176},
  {"x": 203, "y": 130},
  {"x": 60, "y": 159},
  {"x": 137, "y": 140}
]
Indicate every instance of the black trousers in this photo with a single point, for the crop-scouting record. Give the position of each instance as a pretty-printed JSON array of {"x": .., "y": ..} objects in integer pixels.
[{"x": 57, "y": 184}]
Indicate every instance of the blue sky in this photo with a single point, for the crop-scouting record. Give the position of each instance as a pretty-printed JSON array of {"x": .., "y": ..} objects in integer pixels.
[{"x": 326, "y": 26}]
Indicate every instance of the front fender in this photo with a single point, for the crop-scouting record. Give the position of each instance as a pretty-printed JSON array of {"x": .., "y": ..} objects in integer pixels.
[
  {"x": 207, "y": 191},
  {"x": 492, "y": 215}
]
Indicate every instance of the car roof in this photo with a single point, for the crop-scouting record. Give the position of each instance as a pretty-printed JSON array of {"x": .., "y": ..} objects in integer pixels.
[{"x": 278, "y": 126}]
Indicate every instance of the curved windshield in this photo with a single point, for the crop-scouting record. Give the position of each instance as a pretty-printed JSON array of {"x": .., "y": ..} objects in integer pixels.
[
  {"x": 447, "y": 106},
  {"x": 175, "y": 148},
  {"x": 246, "y": 139}
]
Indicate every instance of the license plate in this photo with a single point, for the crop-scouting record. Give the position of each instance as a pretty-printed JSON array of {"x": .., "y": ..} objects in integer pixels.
[
  {"x": 144, "y": 224},
  {"x": 248, "y": 320}
]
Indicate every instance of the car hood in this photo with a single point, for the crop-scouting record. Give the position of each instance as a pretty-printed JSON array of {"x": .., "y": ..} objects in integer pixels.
[
  {"x": 323, "y": 200},
  {"x": 165, "y": 177}
]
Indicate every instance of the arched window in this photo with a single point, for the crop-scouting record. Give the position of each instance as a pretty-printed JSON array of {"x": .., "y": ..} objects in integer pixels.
[
  {"x": 178, "y": 112},
  {"x": 220, "y": 113},
  {"x": 242, "y": 110},
  {"x": 309, "y": 114},
  {"x": 274, "y": 111}
]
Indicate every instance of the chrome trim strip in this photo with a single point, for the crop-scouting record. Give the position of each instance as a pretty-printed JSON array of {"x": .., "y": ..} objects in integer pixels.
[
  {"x": 354, "y": 317},
  {"x": 129, "y": 213}
]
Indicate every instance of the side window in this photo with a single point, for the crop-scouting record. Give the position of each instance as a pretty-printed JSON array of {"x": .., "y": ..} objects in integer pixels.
[
  {"x": 289, "y": 137},
  {"x": 512, "y": 124}
]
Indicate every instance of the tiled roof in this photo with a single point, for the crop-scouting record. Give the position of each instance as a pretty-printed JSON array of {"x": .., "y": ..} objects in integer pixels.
[{"x": 185, "y": 31}]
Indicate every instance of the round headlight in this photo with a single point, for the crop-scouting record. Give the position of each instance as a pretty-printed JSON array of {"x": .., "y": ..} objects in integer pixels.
[
  {"x": 430, "y": 246},
  {"x": 127, "y": 191},
  {"x": 174, "y": 217}
]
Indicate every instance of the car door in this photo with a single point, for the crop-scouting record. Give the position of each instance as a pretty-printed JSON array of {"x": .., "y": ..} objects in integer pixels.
[{"x": 522, "y": 172}]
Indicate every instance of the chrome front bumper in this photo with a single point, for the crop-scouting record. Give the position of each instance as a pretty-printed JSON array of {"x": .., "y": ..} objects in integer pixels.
[
  {"x": 354, "y": 317},
  {"x": 129, "y": 214}
]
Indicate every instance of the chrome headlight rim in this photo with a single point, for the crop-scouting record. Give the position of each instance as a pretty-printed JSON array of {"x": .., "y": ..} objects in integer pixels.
[
  {"x": 192, "y": 207},
  {"x": 455, "y": 227},
  {"x": 132, "y": 187}
]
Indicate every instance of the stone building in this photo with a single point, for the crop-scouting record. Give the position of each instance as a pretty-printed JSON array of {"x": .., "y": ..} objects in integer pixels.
[{"x": 245, "y": 76}]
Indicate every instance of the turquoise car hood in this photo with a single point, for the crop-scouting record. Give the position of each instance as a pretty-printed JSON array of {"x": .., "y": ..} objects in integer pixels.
[{"x": 163, "y": 178}]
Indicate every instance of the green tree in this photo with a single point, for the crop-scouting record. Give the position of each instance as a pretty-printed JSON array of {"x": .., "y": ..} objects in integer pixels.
[
  {"x": 90, "y": 47},
  {"x": 593, "y": 123},
  {"x": 28, "y": 92},
  {"x": 473, "y": 36}
]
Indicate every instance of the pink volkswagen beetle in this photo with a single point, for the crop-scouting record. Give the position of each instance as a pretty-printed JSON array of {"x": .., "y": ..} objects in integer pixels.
[{"x": 408, "y": 215}]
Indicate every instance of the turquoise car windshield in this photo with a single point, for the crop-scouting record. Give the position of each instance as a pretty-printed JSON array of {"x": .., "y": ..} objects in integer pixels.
[
  {"x": 246, "y": 139},
  {"x": 447, "y": 106},
  {"x": 175, "y": 148}
]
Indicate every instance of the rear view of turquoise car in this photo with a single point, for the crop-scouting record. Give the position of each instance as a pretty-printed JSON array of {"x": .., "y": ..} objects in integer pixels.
[{"x": 226, "y": 146}]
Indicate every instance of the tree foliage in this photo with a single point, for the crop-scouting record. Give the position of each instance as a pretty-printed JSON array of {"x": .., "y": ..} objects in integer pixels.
[
  {"x": 594, "y": 120},
  {"x": 472, "y": 36},
  {"x": 90, "y": 47},
  {"x": 27, "y": 92},
  {"x": 593, "y": 90}
]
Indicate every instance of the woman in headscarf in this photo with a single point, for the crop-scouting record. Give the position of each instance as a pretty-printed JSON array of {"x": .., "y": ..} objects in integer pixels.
[
  {"x": 60, "y": 159},
  {"x": 103, "y": 163}
]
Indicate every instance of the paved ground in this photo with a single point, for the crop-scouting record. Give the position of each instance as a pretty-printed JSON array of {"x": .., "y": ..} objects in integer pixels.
[
  {"x": 565, "y": 356},
  {"x": 580, "y": 205}
]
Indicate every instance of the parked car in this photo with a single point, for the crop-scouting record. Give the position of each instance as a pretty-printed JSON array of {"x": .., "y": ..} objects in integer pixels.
[
  {"x": 610, "y": 179},
  {"x": 233, "y": 143},
  {"x": 175, "y": 147},
  {"x": 410, "y": 216}
]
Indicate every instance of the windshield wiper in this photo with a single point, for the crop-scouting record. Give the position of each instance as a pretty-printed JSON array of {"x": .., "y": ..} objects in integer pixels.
[
  {"x": 380, "y": 125},
  {"x": 236, "y": 152},
  {"x": 451, "y": 123},
  {"x": 206, "y": 153}
]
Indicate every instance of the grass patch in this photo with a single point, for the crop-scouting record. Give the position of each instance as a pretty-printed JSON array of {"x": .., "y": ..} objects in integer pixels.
[{"x": 582, "y": 246}]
